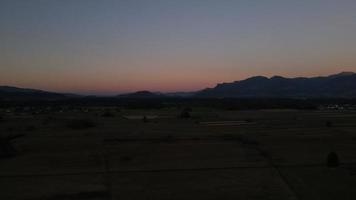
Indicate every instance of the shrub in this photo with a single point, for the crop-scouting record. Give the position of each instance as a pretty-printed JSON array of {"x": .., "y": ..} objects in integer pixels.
[
  {"x": 6, "y": 148},
  {"x": 185, "y": 114},
  {"x": 79, "y": 195},
  {"x": 168, "y": 139},
  {"x": 30, "y": 128},
  {"x": 78, "y": 124},
  {"x": 328, "y": 124},
  {"x": 48, "y": 120},
  {"x": 188, "y": 109},
  {"x": 108, "y": 114},
  {"x": 145, "y": 119},
  {"x": 126, "y": 158},
  {"x": 333, "y": 160},
  {"x": 248, "y": 120}
]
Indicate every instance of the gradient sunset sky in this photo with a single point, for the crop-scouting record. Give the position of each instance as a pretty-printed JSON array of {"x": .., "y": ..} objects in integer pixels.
[{"x": 116, "y": 46}]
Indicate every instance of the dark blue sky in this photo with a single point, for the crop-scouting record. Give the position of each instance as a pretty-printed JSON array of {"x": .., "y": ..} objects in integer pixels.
[{"x": 107, "y": 46}]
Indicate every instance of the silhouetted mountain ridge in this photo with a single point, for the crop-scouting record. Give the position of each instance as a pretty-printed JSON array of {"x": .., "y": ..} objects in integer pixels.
[
  {"x": 142, "y": 94},
  {"x": 16, "y": 93},
  {"x": 342, "y": 85}
]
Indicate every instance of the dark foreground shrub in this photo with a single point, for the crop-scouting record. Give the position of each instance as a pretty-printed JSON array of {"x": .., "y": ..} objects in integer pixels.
[
  {"x": 7, "y": 149},
  {"x": 168, "y": 139},
  {"x": 145, "y": 119},
  {"x": 333, "y": 160},
  {"x": 108, "y": 114},
  {"x": 48, "y": 120},
  {"x": 185, "y": 113},
  {"x": 30, "y": 128},
  {"x": 78, "y": 124},
  {"x": 328, "y": 124},
  {"x": 78, "y": 196},
  {"x": 188, "y": 109},
  {"x": 126, "y": 158}
]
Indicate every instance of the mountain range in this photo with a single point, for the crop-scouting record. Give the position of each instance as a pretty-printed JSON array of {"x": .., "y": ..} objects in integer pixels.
[
  {"x": 16, "y": 93},
  {"x": 142, "y": 94},
  {"x": 342, "y": 85}
]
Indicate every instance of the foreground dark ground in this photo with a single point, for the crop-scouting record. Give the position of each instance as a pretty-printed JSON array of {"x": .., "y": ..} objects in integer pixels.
[{"x": 119, "y": 153}]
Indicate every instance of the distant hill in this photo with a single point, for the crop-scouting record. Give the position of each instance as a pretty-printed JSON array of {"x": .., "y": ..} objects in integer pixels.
[
  {"x": 142, "y": 94},
  {"x": 342, "y": 85},
  {"x": 23, "y": 94},
  {"x": 180, "y": 94}
]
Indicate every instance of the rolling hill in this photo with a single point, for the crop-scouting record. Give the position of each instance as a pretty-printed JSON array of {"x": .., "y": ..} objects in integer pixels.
[
  {"x": 342, "y": 85},
  {"x": 23, "y": 94}
]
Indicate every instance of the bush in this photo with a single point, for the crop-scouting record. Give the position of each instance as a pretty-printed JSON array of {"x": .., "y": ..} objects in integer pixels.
[
  {"x": 78, "y": 124},
  {"x": 79, "y": 195},
  {"x": 333, "y": 160},
  {"x": 168, "y": 139},
  {"x": 7, "y": 150},
  {"x": 48, "y": 120},
  {"x": 185, "y": 113},
  {"x": 248, "y": 120},
  {"x": 126, "y": 158},
  {"x": 108, "y": 114},
  {"x": 145, "y": 119},
  {"x": 30, "y": 128},
  {"x": 188, "y": 109},
  {"x": 328, "y": 124}
]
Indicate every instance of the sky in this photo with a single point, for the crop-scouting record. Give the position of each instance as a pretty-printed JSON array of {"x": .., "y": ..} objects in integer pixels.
[{"x": 117, "y": 46}]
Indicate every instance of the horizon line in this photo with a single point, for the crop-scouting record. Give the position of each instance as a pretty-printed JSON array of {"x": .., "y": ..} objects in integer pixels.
[{"x": 114, "y": 93}]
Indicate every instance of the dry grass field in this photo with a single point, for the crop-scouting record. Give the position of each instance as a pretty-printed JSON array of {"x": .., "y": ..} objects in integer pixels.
[{"x": 109, "y": 153}]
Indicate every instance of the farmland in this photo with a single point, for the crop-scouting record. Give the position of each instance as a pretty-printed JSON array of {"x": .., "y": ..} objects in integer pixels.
[{"x": 119, "y": 153}]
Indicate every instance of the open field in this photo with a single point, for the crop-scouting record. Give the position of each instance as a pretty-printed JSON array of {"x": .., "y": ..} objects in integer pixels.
[{"x": 110, "y": 153}]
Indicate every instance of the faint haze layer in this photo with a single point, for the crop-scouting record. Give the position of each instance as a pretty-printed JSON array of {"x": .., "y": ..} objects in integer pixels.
[{"x": 105, "y": 47}]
